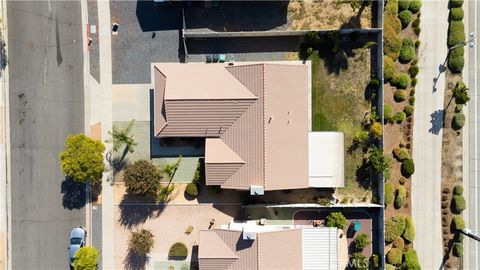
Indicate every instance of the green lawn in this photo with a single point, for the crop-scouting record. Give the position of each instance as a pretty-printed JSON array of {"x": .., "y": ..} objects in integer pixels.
[{"x": 339, "y": 105}]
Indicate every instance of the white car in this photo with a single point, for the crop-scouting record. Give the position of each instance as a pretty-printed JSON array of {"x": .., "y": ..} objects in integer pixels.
[{"x": 78, "y": 236}]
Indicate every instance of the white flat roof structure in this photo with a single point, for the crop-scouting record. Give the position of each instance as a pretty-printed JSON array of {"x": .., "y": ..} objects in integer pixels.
[{"x": 326, "y": 162}]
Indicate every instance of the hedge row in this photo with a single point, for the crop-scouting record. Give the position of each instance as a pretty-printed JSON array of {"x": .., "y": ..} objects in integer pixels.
[{"x": 456, "y": 36}]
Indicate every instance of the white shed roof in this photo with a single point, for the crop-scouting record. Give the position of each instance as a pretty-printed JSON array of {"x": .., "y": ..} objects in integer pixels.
[
  {"x": 320, "y": 248},
  {"x": 326, "y": 152}
]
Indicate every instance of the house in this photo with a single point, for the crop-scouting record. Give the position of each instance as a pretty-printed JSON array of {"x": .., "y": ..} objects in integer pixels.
[
  {"x": 256, "y": 121},
  {"x": 248, "y": 246}
]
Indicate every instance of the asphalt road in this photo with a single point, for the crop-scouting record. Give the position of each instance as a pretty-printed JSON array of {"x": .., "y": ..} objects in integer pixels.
[{"x": 46, "y": 105}]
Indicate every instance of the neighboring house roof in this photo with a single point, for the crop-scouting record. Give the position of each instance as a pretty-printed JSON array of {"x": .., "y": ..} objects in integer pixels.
[
  {"x": 280, "y": 248},
  {"x": 254, "y": 116}
]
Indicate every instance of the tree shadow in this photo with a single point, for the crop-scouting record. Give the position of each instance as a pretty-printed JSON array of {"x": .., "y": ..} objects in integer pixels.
[
  {"x": 436, "y": 121},
  {"x": 134, "y": 261},
  {"x": 135, "y": 213},
  {"x": 74, "y": 194},
  {"x": 363, "y": 175},
  {"x": 354, "y": 21}
]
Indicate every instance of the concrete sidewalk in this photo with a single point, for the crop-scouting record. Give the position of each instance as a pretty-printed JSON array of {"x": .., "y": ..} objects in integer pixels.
[{"x": 427, "y": 135}]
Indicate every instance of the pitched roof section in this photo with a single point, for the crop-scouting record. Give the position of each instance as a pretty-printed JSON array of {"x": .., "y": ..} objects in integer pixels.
[
  {"x": 216, "y": 248},
  {"x": 216, "y": 151},
  {"x": 159, "y": 119},
  {"x": 280, "y": 249}
]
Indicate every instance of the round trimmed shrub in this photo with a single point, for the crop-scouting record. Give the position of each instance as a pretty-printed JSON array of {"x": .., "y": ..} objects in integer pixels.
[
  {"x": 361, "y": 241},
  {"x": 407, "y": 53},
  {"x": 455, "y": 64},
  {"x": 389, "y": 193},
  {"x": 141, "y": 242},
  {"x": 415, "y": 6},
  {"x": 408, "y": 110},
  {"x": 400, "y": 95},
  {"x": 455, "y": 3},
  {"x": 414, "y": 82},
  {"x": 456, "y": 33},
  {"x": 408, "y": 167},
  {"x": 458, "y": 190},
  {"x": 458, "y": 204},
  {"x": 413, "y": 70},
  {"x": 336, "y": 219},
  {"x": 416, "y": 22},
  {"x": 458, "y": 108},
  {"x": 178, "y": 250},
  {"x": 394, "y": 256},
  {"x": 411, "y": 101},
  {"x": 387, "y": 112},
  {"x": 458, "y": 223},
  {"x": 394, "y": 228},
  {"x": 458, "y": 249},
  {"x": 392, "y": 42},
  {"x": 405, "y": 18},
  {"x": 401, "y": 80},
  {"x": 417, "y": 30},
  {"x": 411, "y": 260},
  {"x": 192, "y": 190},
  {"x": 399, "y": 243},
  {"x": 403, "y": 4},
  {"x": 400, "y": 154},
  {"x": 417, "y": 44},
  {"x": 391, "y": 7},
  {"x": 458, "y": 121},
  {"x": 456, "y": 14},
  {"x": 400, "y": 196},
  {"x": 142, "y": 179},
  {"x": 409, "y": 233},
  {"x": 393, "y": 21},
  {"x": 376, "y": 130},
  {"x": 389, "y": 68}
]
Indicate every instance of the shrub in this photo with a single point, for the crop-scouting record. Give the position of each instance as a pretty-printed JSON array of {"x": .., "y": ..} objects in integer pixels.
[
  {"x": 415, "y": 6},
  {"x": 391, "y": 7},
  {"x": 361, "y": 241},
  {"x": 393, "y": 21},
  {"x": 417, "y": 30},
  {"x": 336, "y": 219},
  {"x": 400, "y": 154},
  {"x": 387, "y": 112},
  {"x": 413, "y": 70},
  {"x": 458, "y": 108},
  {"x": 458, "y": 121},
  {"x": 411, "y": 101},
  {"x": 392, "y": 42},
  {"x": 374, "y": 83},
  {"x": 142, "y": 179},
  {"x": 312, "y": 37},
  {"x": 389, "y": 193},
  {"x": 456, "y": 33},
  {"x": 458, "y": 223},
  {"x": 394, "y": 256},
  {"x": 376, "y": 130},
  {"x": 458, "y": 190},
  {"x": 408, "y": 110},
  {"x": 178, "y": 250},
  {"x": 411, "y": 260},
  {"x": 403, "y": 4},
  {"x": 405, "y": 17},
  {"x": 401, "y": 80},
  {"x": 417, "y": 44},
  {"x": 378, "y": 160},
  {"x": 192, "y": 190},
  {"x": 359, "y": 261},
  {"x": 394, "y": 228},
  {"x": 400, "y": 95},
  {"x": 389, "y": 68},
  {"x": 402, "y": 180},
  {"x": 455, "y": 3},
  {"x": 375, "y": 261},
  {"x": 390, "y": 267},
  {"x": 458, "y": 204},
  {"x": 189, "y": 229},
  {"x": 456, "y": 14},
  {"x": 408, "y": 167},
  {"x": 85, "y": 258},
  {"x": 407, "y": 52},
  {"x": 458, "y": 250},
  {"x": 399, "y": 117},
  {"x": 460, "y": 92},
  {"x": 414, "y": 82},
  {"x": 400, "y": 197},
  {"x": 141, "y": 242},
  {"x": 399, "y": 243},
  {"x": 455, "y": 64},
  {"x": 409, "y": 233}
]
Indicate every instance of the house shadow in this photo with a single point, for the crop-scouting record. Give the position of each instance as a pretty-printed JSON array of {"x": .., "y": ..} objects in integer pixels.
[
  {"x": 134, "y": 261},
  {"x": 74, "y": 194},
  {"x": 437, "y": 121},
  {"x": 135, "y": 211},
  {"x": 194, "y": 259},
  {"x": 159, "y": 16}
]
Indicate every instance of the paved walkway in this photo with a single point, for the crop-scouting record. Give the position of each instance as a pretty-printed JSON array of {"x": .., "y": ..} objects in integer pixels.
[{"x": 427, "y": 135}]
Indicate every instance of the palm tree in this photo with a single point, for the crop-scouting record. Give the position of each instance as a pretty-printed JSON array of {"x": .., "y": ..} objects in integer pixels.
[{"x": 123, "y": 137}]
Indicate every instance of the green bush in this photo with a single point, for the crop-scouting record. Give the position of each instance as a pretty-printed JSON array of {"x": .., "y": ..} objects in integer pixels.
[
  {"x": 374, "y": 261},
  {"x": 389, "y": 193},
  {"x": 178, "y": 250},
  {"x": 455, "y": 64},
  {"x": 361, "y": 241},
  {"x": 415, "y": 6},
  {"x": 417, "y": 44},
  {"x": 387, "y": 112},
  {"x": 455, "y": 3},
  {"x": 417, "y": 30},
  {"x": 394, "y": 228},
  {"x": 141, "y": 242},
  {"x": 458, "y": 204},
  {"x": 142, "y": 179},
  {"x": 458, "y": 250},
  {"x": 456, "y": 14},
  {"x": 393, "y": 21},
  {"x": 458, "y": 108},
  {"x": 459, "y": 51},
  {"x": 400, "y": 95},
  {"x": 411, "y": 101},
  {"x": 458, "y": 190},
  {"x": 389, "y": 68},
  {"x": 401, "y": 80},
  {"x": 359, "y": 261},
  {"x": 400, "y": 196},
  {"x": 400, "y": 154},
  {"x": 458, "y": 121},
  {"x": 411, "y": 260},
  {"x": 390, "y": 267},
  {"x": 399, "y": 243},
  {"x": 85, "y": 258},
  {"x": 192, "y": 190},
  {"x": 336, "y": 219},
  {"x": 460, "y": 92},
  {"x": 408, "y": 167},
  {"x": 408, "y": 110},
  {"x": 391, "y": 7},
  {"x": 403, "y": 4},
  {"x": 414, "y": 82},
  {"x": 458, "y": 223},
  {"x": 409, "y": 233},
  {"x": 392, "y": 42},
  {"x": 407, "y": 53},
  {"x": 456, "y": 33},
  {"x": 394, "y": 256},
  {"x": 413, "y": 70},
  {"x": 405, "y": 17}
]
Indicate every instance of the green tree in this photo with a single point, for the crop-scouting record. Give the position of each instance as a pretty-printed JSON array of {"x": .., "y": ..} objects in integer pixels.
[
  {"x": 141, "y": 242},
  {"x": 377, "y": 159},
  {"x": 123, "y": 137},
  {"x": 336, "y": 219},
  {"x": 85, "y": 259},
  {"x": 82, "y": 158},
  {"x": 171, "y": 168},
  {"x": 460, "y": 92},
  {"x": 361, "y": 241},
  {"x": 142, "y": 178},
  {"x": 359, "y": 261}
]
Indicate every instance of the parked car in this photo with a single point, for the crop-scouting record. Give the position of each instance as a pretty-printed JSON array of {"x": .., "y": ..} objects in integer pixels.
[{"x": 78, "y": 236}]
